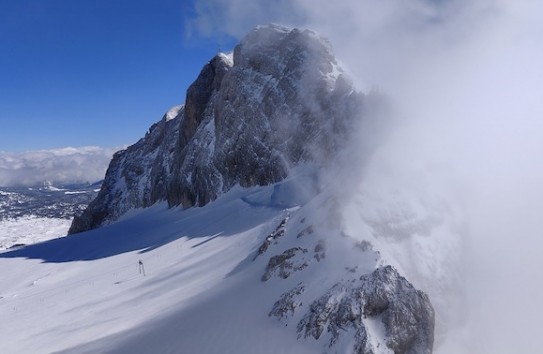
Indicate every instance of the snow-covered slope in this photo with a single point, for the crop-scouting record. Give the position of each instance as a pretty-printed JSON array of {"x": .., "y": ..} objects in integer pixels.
[{"x": 257, "y": 270}]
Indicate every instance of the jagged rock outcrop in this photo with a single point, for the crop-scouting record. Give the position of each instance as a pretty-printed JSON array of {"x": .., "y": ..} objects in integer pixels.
[
  {"x": 277, "y": 233},
  {"x": 283, "y": 264},
  {"x": 279, "y": 99},
  {"x": 347, "y": 296},
  {"x": 354, "y": 307},
  {"x": 406, "y": 313}
]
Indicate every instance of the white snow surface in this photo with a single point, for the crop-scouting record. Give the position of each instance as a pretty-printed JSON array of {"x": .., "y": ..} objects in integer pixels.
[
  {"x": 87, "y": 288},
  {"x": 202, "y": 291},
  {"x": 31, "y": 229}
]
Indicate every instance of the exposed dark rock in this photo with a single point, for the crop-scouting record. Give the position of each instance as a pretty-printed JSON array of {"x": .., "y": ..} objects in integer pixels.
[
  {"x": 319, "y": 250},
  {"x": 406, "y": 313},
  {"x": 364, "y": 246},
  {"x": 278, "y": 232},
  {"x": 198, "y": 96},
  {"x": 306, "y": 231},
  {"x": 287, "y": 303},
  {"x": 285, "y": 263},
  {"x": 351, "y": 269}
]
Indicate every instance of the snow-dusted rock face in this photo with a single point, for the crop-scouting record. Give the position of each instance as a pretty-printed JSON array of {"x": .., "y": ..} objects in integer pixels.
[
  {"x": 405, "y": 313},
  {"x": 278, "y": 100},
  {"x": 354, "y": 301}
]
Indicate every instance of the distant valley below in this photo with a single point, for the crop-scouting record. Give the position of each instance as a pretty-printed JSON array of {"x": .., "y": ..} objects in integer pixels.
[{"x": 34, "y": 214}]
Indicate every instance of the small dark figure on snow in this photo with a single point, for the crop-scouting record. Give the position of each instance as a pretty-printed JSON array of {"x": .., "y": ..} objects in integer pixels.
[{"x": 141, "y": 268}]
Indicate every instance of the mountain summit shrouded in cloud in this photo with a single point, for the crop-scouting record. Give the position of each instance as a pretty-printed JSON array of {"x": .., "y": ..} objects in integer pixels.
[
  {"x": 450, "y": 196},
  {"x": 58, "y": 166}
]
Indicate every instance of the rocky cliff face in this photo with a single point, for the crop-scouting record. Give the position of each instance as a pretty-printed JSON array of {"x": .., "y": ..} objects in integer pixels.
[
  {"x": 383, "y": 295},
  {"x": 279, "y": 99}
]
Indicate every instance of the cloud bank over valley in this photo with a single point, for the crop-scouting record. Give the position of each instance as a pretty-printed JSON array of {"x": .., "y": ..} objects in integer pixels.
[{"x": 58, "y": 166}]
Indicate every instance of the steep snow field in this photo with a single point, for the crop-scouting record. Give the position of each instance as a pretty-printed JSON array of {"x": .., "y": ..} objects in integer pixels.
[{"x": 88, "y": 287}]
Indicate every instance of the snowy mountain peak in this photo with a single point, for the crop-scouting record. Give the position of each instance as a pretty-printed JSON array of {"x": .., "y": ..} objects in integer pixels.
[{"x": 280, "y": 99}]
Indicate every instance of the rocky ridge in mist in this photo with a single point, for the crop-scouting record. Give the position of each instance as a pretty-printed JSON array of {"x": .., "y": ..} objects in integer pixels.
[{"x": 340, "y": 291}]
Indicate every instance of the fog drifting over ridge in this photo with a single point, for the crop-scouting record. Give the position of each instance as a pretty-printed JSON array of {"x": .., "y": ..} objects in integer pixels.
[
  {"x": 467, "y": 79},
  {"x": 57, "y": 166}
]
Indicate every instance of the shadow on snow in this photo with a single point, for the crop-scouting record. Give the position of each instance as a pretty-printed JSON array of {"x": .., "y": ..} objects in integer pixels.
[{"x": 144, "y": 230}]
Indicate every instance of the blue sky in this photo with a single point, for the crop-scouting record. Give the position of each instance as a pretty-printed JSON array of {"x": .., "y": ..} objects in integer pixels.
[{"x": 100, "y": 72}]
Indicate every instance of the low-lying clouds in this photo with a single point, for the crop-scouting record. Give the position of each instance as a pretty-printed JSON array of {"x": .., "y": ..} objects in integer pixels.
[
  {"x": 467, "y": 79},
  {"x": 59, "y": 166}
]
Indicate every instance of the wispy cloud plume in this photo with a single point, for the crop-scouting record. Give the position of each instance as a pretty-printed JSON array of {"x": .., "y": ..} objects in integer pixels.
[
  {"x": 58, "y": 166},
  {"x": 467, "y": 79}
]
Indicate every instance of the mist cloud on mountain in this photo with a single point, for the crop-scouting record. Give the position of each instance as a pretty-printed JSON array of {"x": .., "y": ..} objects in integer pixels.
[{"x": 466, "y": 80}]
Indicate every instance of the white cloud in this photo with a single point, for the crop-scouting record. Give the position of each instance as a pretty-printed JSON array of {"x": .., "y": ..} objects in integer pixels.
[
  {"x": 467, "y": 78},
  {"x": 58, "y": 166}
]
